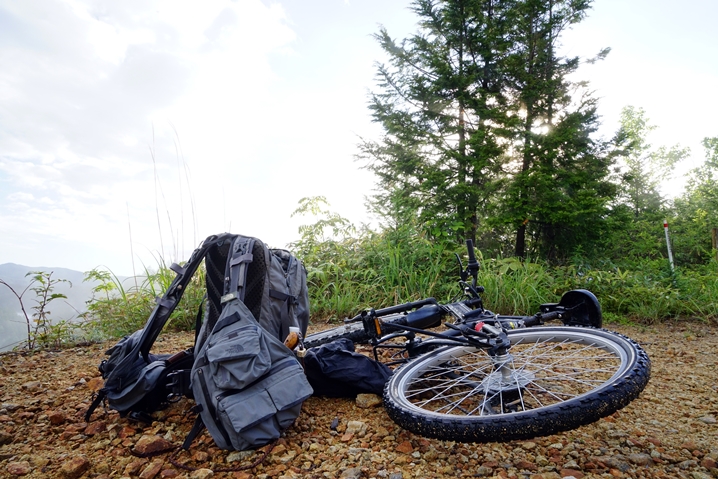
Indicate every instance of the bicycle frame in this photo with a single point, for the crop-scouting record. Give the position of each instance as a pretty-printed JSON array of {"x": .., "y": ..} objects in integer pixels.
[{"x": 472, "y": 325}]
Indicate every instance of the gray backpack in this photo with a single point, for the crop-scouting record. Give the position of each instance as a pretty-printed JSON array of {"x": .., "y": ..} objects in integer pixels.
[
  {"x": 249, "y": 384},
  {"x": 253, "y": 296}
]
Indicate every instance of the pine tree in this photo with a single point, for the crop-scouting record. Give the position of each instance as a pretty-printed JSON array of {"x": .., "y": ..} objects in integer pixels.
[
  {"x": 559, "y": 189},
  {"x": 444, "y": 111},
  {"x": 480, "y": 122}
]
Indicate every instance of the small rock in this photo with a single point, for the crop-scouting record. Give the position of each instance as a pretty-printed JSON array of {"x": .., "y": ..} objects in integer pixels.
[
  {"x": 529, "y": 466},
  {"x": 75, "y": 467},
  {"x": 169, "y": 473},
  {"x": 56, "y": 418},
  {"x": 685, "y": 465},
  {"x": 38, "y": 461},
  {"x": 32, "y": 386},
  {"x": 95, "y": 384},
  {"x": 528, "y": 445},
  {"x": 237, "y": 456},
  {"x": 202, "y": 474},
  {"x": 396, "y": 475},
  {"x": 566, "y": 473},
  {"x": 10, "y": 407},
  {"x": 405, "y": 447},
  {"x": 431, "y": 454},
  {"x": 618, "y": 462},
  {"x": 134, "y": 467},
  {"x": 700, "y": 475},
  {"x": 5, "y": 438},
  {"x": 641, "y": 459},
  {"x": 541, "y": 460},
  {"x": 483, "y": 471},
  {"x": 148, "y": 445},
  {"x": 21, "y": 468},
  {"x": 690, "y": 445},
  {"x": 126, "y": 432},
  {"x": 571, "y": 465},
  {"x": 152, "y": 470},
  {"x": 707, "y": 419},
  {"x": 368, "y": 400},
  {"x": 95, "y": 428},
  {"x": 200, "y": 456},
  {"x": 355, "y": 427},
  {"x": 352, "y": 473},
  {"x": 709, "y": 463},
  {"x": 655, "y": 441}
]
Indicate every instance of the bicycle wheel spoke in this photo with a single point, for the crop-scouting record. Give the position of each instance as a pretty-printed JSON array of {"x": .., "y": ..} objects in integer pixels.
[
  {"x": 545, "y": 371},
  {"x": 551, "y": 379}
]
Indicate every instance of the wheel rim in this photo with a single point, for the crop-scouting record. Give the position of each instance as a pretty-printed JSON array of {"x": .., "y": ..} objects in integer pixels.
[{"x": 546, "y": 368}]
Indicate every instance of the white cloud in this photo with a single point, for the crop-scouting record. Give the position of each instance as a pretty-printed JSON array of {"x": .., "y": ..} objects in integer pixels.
[{"x": 87, "y": 89}]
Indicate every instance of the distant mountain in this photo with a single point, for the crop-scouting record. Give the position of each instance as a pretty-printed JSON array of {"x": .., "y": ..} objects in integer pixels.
[{"x": 13, "y": 328}]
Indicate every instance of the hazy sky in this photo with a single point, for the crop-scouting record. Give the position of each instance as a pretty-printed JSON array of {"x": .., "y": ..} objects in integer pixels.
[{"x": 167, "y": 121}]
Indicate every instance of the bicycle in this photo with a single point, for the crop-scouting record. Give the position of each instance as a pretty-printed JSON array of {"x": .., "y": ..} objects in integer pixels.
[{"x": 491, "y": 377}]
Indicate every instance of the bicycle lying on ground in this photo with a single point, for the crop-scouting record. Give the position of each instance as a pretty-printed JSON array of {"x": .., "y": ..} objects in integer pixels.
[{"x": 491, "y": 377}]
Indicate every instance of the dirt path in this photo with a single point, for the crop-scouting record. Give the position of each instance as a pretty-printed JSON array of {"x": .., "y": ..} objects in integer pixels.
[{"x": 669, "y": 432}]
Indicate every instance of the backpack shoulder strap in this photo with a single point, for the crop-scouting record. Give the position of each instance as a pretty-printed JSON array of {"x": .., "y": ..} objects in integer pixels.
[{"x": 167, "y": 303}]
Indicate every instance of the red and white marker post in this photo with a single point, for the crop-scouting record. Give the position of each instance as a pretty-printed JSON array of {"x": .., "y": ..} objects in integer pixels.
[{"x": 668, "y": 245}]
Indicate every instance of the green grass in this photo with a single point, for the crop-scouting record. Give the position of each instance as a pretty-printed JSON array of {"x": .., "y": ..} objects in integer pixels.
[
  {"x": 117, "y": 310},
  {"x": 351, "y": 270}
]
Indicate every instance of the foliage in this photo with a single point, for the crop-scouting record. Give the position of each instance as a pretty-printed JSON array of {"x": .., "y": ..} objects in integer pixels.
[
  {"x": 697, "y": 209},
  {"x": 443, "y": 108},
  {"x": 41, "y": 331},
  {"x": 483, "y": 136},
  {"x": 558, "y": 173},
  {"x": 394, "y": 265},
  {"x": 346, "y": 273},
  {"x": 644, "y": 167},
  {"x": 115, "y": 310}
]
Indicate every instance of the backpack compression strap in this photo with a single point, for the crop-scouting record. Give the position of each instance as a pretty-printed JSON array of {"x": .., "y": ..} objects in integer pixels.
[
  {"x": 290, "y": 301},
  {"x": 237, "y": 268}
]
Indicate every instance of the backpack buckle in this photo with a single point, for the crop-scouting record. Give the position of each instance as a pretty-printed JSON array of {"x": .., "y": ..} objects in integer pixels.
[{"x": 178, "y": 382}]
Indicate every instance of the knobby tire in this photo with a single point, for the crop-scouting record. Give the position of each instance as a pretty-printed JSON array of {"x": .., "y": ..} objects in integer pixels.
[{"x": 560, "y": 378}]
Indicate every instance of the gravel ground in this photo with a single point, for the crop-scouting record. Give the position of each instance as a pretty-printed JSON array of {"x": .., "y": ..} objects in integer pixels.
[{"x": 670, "y": 431}]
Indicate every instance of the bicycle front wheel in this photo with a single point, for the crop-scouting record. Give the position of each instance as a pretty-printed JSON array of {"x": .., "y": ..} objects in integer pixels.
[{"x": 553, "y": 379}]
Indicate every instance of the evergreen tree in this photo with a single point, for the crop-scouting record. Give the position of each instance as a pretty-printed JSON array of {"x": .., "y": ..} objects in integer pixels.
[
  {"x": 559, "y": 192},
  {"x": 444, "y": 110},
  {"x": 479, "y": 123}
]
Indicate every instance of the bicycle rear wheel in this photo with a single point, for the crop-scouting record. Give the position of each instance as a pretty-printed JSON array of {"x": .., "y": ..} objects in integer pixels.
[{"x": 556, "y": 379}]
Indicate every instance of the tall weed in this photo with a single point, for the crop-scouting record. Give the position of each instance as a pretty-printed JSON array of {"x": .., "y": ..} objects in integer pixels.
[{"x": 115, "y": 310}]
